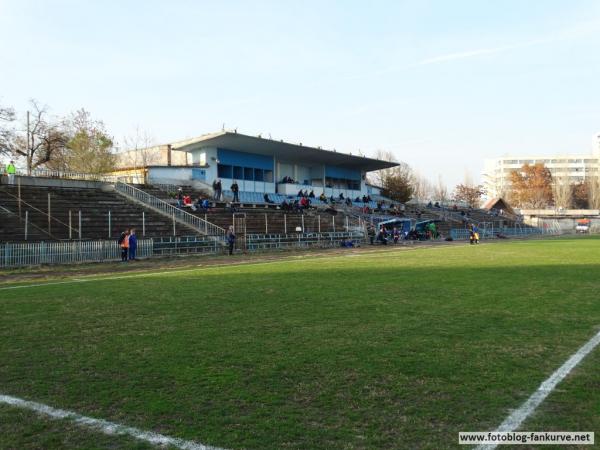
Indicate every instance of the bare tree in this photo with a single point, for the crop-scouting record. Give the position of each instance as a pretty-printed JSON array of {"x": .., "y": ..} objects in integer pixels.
[
  {"x": 140, "y": 149},
  {"x": 562, "y": 190},
  {"x": 41, "y": 139},
  {"x": 593, "y": 192},
  {"x": 423, "y": 188},
  {"x": 7, "y": 131},
  {"x": 440, "y": 190}
]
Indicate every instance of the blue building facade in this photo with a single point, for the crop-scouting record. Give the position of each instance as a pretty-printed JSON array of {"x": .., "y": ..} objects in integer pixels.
[{"x": 262, "y": 166}]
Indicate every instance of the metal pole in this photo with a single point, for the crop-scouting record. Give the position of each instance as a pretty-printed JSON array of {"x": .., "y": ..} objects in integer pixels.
[
  {"x": 70, "y": 227},
  {"x": 79, "y": 224},
  {"x": 266, "y": 226},
  {"x": 49, "y": 211},
  {"x": 109, "y": 223},
  {"x": 302, "y": 223},
  {"x": 28, "y": 155},
  {"x": 19, "y": 192},
  {"x": 347, "y": 223},
  {"x": 285, "y": 224},
  {"x": 26, "y": 221},
  {"x": 174, "y": 231},
  {"x": 333, "y": 222},
  {"x": 319, "y": 222},
  {"x": 144, "y": 223}
]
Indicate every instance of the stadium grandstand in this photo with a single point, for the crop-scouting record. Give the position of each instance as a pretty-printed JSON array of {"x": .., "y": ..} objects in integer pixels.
[{"x": 288, "y": 195}]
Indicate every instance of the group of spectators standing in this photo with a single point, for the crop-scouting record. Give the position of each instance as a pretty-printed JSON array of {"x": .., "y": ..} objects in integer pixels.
[
  {"x": 383, "y": 236},
  {"x": 128, "y": 243}
]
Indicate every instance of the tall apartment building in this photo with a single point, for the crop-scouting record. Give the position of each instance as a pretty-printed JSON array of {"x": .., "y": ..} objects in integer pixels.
[{"x": 496, "y": 175}]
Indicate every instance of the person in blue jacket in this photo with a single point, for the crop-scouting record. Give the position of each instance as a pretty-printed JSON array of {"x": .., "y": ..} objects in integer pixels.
[
  {"x": 132, "y": 244},
  {"x": 231, "y": 238}
]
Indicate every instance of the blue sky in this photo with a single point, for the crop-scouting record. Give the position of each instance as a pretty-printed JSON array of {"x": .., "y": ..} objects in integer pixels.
[{"x": 442, "y": 84}]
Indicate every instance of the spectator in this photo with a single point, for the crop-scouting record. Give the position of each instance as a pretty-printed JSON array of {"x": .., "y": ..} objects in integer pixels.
[
  {"x": 11, "y": 170},
  {"x": 429, "y": 205},
  {"x": 187, "y": 201},
  {"x": 124, "y": 244},
  {"x": 331, "y": 199},
  {"x": 267, "y": 199},
  {"x": 231, "y": 238},
  {"x": 348, "y": 202},
  {"x": 365, "y": 199},
  {"x": 341, "y": 196},
  {"x": 396, "y": 235},
  {"x": 433, "y": 230},
  {"x": 132, "y": 245},
  {"x": 304, "y": 203},
  {"x": 236, "y": 192},
  {"x": 382, "y": 236},
  {"x": 217, "y": 188},
  {"x": 371, "y": 234},
  {"x": 357, "y": 200},
  {"x": 202, "y": 204},
  {"x": 285, "y": 205},
  {"x": 322, "y": 197},
  {"x": 311, "y": 194},
  {"x": 179, "y": 198},
  {"x": 300, "y": 193}
]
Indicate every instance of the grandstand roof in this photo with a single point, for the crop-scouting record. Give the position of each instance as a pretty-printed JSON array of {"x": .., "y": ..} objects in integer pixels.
[{"x": 282, "y": 150}]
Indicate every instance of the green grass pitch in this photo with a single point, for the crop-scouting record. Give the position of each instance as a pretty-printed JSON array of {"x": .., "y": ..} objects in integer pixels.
[{"x": 388, "y": 349}]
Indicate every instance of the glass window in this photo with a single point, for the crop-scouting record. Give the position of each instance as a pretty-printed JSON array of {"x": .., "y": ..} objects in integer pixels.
[
  {"x": 238, "y": 172},
  {"x": 248, "y": 173},
  {"x": 268, "y": 176},
  {"x": 224, "y": 171},
  {"x": 258, "y": 175}
]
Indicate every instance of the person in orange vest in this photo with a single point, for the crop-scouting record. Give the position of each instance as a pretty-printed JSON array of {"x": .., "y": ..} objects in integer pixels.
[{"x": 124, "y": 243}]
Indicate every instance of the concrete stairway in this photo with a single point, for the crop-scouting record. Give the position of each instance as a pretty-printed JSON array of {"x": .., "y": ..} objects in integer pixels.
[
  {"x": 12, "y": 229},
  {"x": 94, "y": 205}
]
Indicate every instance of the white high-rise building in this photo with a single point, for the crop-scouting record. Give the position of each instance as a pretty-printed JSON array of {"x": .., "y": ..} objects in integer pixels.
[{"x": 496, "y": 175}]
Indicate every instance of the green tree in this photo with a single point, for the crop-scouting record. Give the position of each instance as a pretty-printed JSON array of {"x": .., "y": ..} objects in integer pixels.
[
  {"x": 89, "y": 148},
  {"x": 398, "y": 182}
]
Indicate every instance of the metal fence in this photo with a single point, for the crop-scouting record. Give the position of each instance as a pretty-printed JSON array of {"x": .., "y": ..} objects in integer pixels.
[
  {"x": 201, "y": 225},
  {"x": 257, "y": 242},
  {"x": 72, "y": 252},
  {"x": 491, "y": 233},
  {"x": 29, "y": 254}
]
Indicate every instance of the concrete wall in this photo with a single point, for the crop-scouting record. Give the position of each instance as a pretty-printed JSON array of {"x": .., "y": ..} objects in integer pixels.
[{"x": 56, "y": 182}]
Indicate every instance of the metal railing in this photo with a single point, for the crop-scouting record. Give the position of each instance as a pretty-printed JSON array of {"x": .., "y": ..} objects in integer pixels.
[
  {"x": 69, "y": 175},
  {"x": 503, "y": 231},
  {"x": 51, "y": 219},
  {"x": 202, "y": 226},
  {"x": 73, "y": 252},
  {"x": 36, "y": 253},
  {"x": 257, "y": 242}
]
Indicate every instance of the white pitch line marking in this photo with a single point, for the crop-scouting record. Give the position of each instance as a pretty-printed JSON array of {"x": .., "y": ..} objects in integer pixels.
[
  {"x": 104, "y": 426},
  {"x": 518, "y": 416}
]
